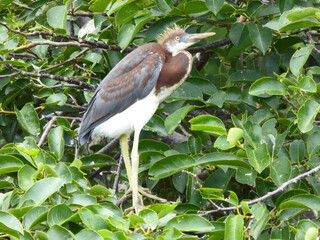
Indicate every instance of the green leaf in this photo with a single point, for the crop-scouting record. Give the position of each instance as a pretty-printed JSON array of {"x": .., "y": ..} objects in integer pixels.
[
  {"x": 225, "y": 159},
  {"x": 303, "y": 13},
  {"x": 299, "y": 25},
  {"x": 41, "y": 190},
  {"x": 99, "y": 190},
  {"x": 297, "y": 151},
  {"x": 99, "y": 5},
  {"x": 88, "y": 234},
  {"x": 9, "y": 164},
  {"x": 58, "y": 232},
  {"x": 307, "y": 114},
  {"x": 234, "y": 135},
  {"x": 147, "y": 145},
  {"x": 164, "y": 5},
  {"x": 208, "y": 124},
  {"x": 150, "y": 217},
  {"x": 238, "y": 33},
  {"x": 280, "y": 170},
  {"x": 56, "y": 141},
  {"x": 312, "y": 234},
  {"x": 246, "y": 176},
  {"x": 35, "y": 216},
  {"x": 190, "y": 223},
  {"x": 260, "y": 36},
  {"x": 173, "y": 120},
  {"x": 261, "y": 217},
  {"x": 126, "y": 13},
  {"x": 57, "y": 17},
  {"x": 307, "y": 84},
  {"x": 55, "y": 99},
  {"x": 302, "y": 201},
  {"x": 259, "y": 158},
  {"x": 215, "y": 6},
  {"x": 3, "y": 31},
  {"x": 234, "y": 228},
  {"x": 97, "y": 160},
  {"x": 299, "y": 58},
  {"x": 25, "y": 177},
  {"x": 10, "y": 224},
  {"x": 266, "y": 86},
  {"x": 82, "y": 200},
  {"x": 217, "y": 194},
  {"x": 187, "y": 91},
  {"x": 92, "y": 219},
  {"x": 194, "y": 145},
  {"x": 313, "y": 143},
  {"x": 28, "y": 118},
  {"x": 156, "y": 124},
  {"x": 171, "y": 165},
  {"x": 58, "y": 214}
]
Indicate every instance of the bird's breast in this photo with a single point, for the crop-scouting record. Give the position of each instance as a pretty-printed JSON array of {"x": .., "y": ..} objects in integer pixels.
[{"x": 174, "y": 72}]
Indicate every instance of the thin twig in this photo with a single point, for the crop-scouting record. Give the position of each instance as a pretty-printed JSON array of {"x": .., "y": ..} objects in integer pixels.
[
  {"x": 118, "y": 173},
  {"x": 67, "y": 61},
  {"x": 268, "y": 195},
  {"x": 43, "y": 75},
  {"x": 46, "y": 131},
  {"x": 195, "y": 177}
]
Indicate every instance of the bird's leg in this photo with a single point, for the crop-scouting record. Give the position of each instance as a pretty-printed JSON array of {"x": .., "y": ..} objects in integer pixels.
[
  {"x": 126, "y": 157},
  {"x": 137, "y": 202}
]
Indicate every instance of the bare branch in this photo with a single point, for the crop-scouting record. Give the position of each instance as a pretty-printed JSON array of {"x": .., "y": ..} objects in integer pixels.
[
  {"x": 268, "y": 195},
  {"x": 55, "y": 77},
  {"x": 46, "y": 131}
]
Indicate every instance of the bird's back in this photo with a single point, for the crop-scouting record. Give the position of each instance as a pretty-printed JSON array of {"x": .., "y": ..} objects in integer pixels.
[{"x": 133, "y": 78}]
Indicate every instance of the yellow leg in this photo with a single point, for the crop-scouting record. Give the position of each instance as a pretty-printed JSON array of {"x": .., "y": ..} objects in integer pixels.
[
  {"x": 136, "y": 198},
  {"x": 125, "y": 153}
]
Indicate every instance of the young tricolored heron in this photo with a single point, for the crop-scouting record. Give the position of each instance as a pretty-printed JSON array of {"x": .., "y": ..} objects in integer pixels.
[{"x": 132, "y": 91}]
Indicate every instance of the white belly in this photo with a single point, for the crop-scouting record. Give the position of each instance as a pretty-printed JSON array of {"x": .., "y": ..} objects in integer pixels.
[{"x": 134, "y": 117}]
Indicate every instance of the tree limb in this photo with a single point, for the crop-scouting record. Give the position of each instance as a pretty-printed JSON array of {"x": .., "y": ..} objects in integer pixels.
[{"x": 268, "y": 195}]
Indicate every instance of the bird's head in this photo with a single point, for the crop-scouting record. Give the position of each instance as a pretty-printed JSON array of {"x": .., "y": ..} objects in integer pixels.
[{"x": 176, "y": 39}]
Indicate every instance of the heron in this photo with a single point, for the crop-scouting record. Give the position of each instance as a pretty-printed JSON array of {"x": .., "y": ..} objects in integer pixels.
[{"x": 130, "y": 94}]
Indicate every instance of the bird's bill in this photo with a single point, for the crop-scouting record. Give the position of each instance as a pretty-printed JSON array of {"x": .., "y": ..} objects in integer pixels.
[{"x": 192, "y": 38}]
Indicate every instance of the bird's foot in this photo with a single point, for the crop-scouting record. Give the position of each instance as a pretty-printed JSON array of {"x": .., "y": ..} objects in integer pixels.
[
  {"x": 138, "y": 206},
  {"x": 146, "y": 192}
]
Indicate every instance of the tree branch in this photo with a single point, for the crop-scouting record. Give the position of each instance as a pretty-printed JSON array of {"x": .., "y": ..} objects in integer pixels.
[
  {"x": 268, "y": 195},
  {"x": 54, "y": 77}
]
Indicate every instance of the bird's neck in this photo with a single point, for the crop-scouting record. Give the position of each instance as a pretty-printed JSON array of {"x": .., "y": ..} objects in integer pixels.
[{"x": 174, "y": 72}]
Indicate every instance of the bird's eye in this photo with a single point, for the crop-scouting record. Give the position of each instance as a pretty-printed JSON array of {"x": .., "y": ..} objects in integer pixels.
[{"x": 177, "y": 38}]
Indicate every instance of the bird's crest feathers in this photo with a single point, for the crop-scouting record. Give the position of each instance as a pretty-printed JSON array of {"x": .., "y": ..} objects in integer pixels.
[{"x": 174, "y": 30}]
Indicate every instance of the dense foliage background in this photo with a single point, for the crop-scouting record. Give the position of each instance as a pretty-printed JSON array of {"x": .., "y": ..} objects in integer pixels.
[{"x": 235, "y": 150}]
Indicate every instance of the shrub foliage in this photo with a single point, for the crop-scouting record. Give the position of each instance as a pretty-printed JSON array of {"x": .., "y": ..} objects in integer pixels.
[{"x": 235, "y": 150}]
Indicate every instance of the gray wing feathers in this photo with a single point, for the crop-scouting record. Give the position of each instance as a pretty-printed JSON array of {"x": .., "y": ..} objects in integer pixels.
[{"x": 115, "y": 95}]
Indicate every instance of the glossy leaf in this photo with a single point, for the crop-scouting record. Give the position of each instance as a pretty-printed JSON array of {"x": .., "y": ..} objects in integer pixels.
[
  {"x": 56, "y": 141},
  {"x": 216, "y": 159},
  {"x": 190, "y": 223},
  {"x": 215, "y": 6},
  {"x": 171, "y": 165},
  {"x": 96, "y": 160},
  {"x": 209, "y": 124},
  {"x": 40, "y": 191},
  {"x": 267, "y": 86},
  {"x": 259, "y": 158},
  {"x": 307, "y": 114},
  {"x": 59, "y": 214},
  {"x": 307, "y": 84},
  {"x": 302, "y": 201},
  {"x": 9, "y": 164},
  {"x": 57, "y": 17},
  {"x": 28, "y": 119},
  {"x": 260, "y": 36},
  {"x": 261, "y": 216},
  {"x": 217, "y": 194},
  {"x": 10, "y": 224},
  {"x": 280, "y": 170},
  {"x": 234, "y": 228},
  {"x": 58, "y": 232},
  {"x": 175, "y": 118},
  {"x": 164, "y": 5},
  {"x": 299, "y": 58},
  {"x": 234, "y": 135}
]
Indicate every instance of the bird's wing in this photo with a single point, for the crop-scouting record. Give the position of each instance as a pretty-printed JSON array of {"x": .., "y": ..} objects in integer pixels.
[{"x": 115, "y": 95}]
